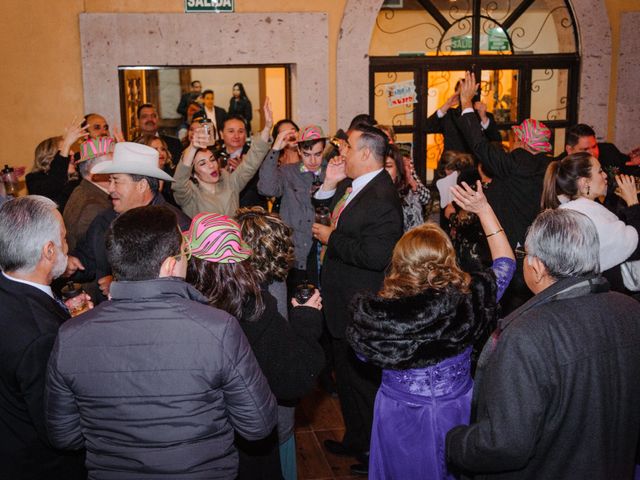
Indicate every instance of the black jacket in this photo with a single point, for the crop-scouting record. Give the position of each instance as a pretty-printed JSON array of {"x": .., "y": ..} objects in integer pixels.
[
  {"x": 556, "y": 398},
  {"x": 360, "y": 248},
  {"x": 516, "y": 188},
  {"x": 29, "y": 322},
  {"x": 92, "y": 250},
  {"x": 154, "y": 382},
  {"x": 454, "y": 138},
  {"x": 54, "y": 184}
]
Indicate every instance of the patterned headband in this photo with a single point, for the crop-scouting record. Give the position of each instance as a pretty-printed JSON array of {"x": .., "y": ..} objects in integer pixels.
[
  {"x": 534, "y": 135},
  {"x": 96, "y": 147},
  {"x": 216, "y": 238}
]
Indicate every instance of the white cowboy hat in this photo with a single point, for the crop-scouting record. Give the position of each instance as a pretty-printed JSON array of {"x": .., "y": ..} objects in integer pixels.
[{"x": 135, "y": 159}]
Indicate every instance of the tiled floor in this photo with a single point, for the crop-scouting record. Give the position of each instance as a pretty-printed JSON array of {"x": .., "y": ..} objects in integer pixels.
[{"x": 318, "y": 418}]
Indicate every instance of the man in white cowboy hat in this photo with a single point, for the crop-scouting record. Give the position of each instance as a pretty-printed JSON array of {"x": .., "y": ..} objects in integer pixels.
[{"x": 134, "y": 181}]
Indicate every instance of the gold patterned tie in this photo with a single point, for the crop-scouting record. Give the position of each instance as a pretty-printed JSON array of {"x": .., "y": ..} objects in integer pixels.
[{"x": 335, "y": 216}]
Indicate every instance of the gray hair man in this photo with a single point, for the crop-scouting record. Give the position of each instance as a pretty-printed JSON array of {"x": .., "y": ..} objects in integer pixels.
[
  {"x": 558, "y": 381},
  {"x": 134, "y": 181},
  {"x": 33, "y": 252}
]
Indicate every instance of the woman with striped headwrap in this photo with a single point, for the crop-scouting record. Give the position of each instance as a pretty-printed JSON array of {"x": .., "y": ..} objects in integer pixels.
[{"x": 288, "y": 352}]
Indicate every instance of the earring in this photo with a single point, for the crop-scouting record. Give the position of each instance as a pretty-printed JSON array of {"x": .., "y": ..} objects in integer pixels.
[{"x": 588, "y": 189}]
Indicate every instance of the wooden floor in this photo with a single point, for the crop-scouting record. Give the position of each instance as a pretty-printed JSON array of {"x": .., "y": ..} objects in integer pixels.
[{"x": 318, "y": 418}]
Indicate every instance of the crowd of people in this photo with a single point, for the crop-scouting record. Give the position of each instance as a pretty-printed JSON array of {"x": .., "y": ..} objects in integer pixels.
[{"x": 165, "y": 303}]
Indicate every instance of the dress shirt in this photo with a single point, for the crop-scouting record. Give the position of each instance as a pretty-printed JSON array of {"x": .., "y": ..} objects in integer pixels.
[
  {"x": 44, "y": 288},
  {"x": 356, "y": 186}
]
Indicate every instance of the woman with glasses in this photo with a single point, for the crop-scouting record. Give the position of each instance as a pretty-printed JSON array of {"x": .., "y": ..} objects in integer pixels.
[
  {"x": 423, "y": 328},
  {"x": 575, "y": 183}
]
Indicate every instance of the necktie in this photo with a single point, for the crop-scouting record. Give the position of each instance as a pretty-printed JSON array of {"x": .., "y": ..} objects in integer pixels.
[{"x": 335, "y": 216}]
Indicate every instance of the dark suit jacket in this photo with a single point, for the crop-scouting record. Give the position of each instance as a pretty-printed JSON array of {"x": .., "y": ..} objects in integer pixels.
[
  {"x": 359, "y": 249},
  {"x": 454, "y": 139},
  {"x": 29, "y": 322}
]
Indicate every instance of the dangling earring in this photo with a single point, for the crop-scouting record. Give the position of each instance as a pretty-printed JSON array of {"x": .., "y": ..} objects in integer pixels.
[{"x": 588, "y": 189}]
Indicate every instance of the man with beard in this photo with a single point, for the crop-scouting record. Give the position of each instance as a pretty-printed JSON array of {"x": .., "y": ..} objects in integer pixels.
[{"x": 33, "y": 252}]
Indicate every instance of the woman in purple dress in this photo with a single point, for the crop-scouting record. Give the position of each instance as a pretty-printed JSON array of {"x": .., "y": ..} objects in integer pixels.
[{"x": 423, "y": 329}]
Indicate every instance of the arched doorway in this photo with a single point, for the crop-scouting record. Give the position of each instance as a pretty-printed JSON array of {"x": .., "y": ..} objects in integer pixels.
[{"x": 524, "y": 53}]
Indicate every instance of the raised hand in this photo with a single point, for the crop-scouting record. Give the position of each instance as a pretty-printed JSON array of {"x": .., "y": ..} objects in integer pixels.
[
  {"x": 284, "y": 139},
  {"x": 72, "y": 133},
  {"x": 268, "y": 119},
  {"x": 450, "y": 102},
  {"x": 469, "y": 199},
  {"x": 627, "y": 189},
  {"x": 468, "y": 89},
  {"x": 334, "y": 173}
]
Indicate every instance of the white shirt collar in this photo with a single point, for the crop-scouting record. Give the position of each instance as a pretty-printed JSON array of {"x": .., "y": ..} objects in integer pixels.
[
  {"x": 359, "y": 183},
  {"x": 44, "y": 288}
]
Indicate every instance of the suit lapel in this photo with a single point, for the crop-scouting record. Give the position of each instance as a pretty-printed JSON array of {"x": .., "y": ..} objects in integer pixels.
[{"x": 363, "y": 193}]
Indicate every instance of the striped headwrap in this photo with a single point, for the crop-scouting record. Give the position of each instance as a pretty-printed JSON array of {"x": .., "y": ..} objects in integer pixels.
[
  {"x": 534, "y": 134},
  {"x": 95, "y": 147},
  {"x": 216, "y": 238}
]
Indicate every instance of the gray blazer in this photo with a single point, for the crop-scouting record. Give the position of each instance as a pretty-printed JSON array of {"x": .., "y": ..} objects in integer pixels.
[{"x": 296, "y": 209}]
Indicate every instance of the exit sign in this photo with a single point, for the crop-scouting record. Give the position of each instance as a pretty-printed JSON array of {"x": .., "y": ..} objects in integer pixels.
[{"x": 208, "y": 6}]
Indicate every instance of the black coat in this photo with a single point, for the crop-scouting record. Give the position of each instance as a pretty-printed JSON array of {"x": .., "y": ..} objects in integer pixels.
[
  {"x": 454, "y": 138},
  {"x": 290, "y": 357},
  {"x": 29, "y": 322},
  {"x": 242, "y": 106},
  {"x": 92, "y": 250},
  {"x": 516, "y": 188},
  {"x": 54, "y": 184},
  {"x": 422, "y": 330},
  {"x": 360, "y": 248},
  {"x": 557, "y": 397}
]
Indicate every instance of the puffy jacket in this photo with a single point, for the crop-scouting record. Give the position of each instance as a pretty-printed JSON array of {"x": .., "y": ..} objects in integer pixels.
[{"x": 153, "y": 384}]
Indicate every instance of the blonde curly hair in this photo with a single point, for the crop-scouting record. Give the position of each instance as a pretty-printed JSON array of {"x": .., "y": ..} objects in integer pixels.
[
  {"x": 424, "y": 258},
  {"x": 270, "y": 239}
]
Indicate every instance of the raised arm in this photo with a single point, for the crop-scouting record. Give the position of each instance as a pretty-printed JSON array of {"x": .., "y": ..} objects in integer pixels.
[
  {"x": 496, "y": 159},
  {"x": 270, "y": 182},
  {"x": 183, "y": 188},
  {"x": 503, "y": 259}
]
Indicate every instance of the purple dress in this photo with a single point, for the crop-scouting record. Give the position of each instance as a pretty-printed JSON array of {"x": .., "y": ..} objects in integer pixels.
[{"x": 416, "y": 407}]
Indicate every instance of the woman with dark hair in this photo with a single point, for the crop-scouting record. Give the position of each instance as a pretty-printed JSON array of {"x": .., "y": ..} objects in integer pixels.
[
  {"x": 413, "y": 197},
  {"x": 290, "y": 154},
  {"x": 575, "y": 182},
  {"x": 239, "y": 104},
  {"x": 273, "y": 255},
  {"x": 423, "y": 328},
  {"x": 288, "y": 352}
]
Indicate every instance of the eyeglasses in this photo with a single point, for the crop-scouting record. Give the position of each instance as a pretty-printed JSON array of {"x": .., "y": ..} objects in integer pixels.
[
  {"x": 185, "y": 250},
  {"x": 520, "y": 253}
]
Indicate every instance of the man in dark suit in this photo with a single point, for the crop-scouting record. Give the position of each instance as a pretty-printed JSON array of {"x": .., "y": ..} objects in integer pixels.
[
  {"x": 216, "y": 114},
  {"x": 445, "y": 121},
  {"x": 366, "y": 224},
  {"x": 33, "y": 252},
  {"x": 148, "y": 124}
]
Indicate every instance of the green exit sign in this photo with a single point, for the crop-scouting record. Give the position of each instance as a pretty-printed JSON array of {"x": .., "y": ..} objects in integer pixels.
[
  {"x": 208, "y": 6},
  {"x": 461, "y": 43}
]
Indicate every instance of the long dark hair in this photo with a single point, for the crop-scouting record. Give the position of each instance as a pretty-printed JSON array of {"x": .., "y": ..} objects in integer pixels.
[
  {"x": 243, "y": 94},
  {"x": 401, "y": 183},
  {"x": 228, "y": 286},
  {"x": 561, "y": 178}
]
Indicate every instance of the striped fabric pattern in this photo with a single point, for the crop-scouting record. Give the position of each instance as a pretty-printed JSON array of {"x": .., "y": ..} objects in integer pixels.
[{"x": 216, "y": 238}]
